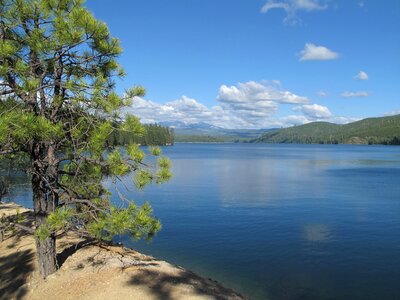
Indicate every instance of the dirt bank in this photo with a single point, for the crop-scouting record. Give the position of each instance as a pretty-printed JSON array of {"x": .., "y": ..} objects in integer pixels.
[{"x": 91, "y": 271}]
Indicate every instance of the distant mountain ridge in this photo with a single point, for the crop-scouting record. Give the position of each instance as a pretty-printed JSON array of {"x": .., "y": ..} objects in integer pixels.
[
  {"x": 383, "y": 130},
  {"x": 205, "y": 132},
  {"x": 183, "y": 125}
]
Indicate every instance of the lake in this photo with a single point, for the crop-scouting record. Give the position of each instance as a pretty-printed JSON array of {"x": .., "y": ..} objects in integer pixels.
[{"x": 280, "y": 221}]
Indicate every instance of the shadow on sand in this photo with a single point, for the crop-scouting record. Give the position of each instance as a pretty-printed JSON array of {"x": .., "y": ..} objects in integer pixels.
[
  {"x": 162, "y": 284},
  {"x": 17, "y": 266},
  {"x": 15, "y": 271},
  {"x": 71, "y": 249}
]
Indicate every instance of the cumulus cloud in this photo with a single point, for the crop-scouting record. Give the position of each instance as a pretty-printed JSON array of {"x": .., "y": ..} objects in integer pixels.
[
  {"x": 343, "y": 120},
  {"x": 293, "y": 120},
  {"x": 291, "y": 7},
  {"x": 244, "y": 105},
  {"x": 255, "y": 102},
  {"x": 314, "y": 52},
  {"x": 261, "y": 93},
  {"x": 361, "y": 76},
  {"x": 302, "y": 119},
  {"x": 314, "y": 111},
  {"x": 393, "y": 112},
  {"x": 185, "y": 109},
  {"x": 348, "y": 94}
]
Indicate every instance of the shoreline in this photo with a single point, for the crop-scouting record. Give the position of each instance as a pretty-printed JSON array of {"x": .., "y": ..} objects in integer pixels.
[
  {"x": 313, "y": 144},
  {"x": 88, "y": 270}
]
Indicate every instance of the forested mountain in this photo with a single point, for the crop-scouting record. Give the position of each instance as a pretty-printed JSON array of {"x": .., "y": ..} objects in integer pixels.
[
  {"x": 204, "y": 129},
  {"x": 384, "y": 130},
  {"x": 207, "y": 133},
  {"x": 154, "y": 135}
]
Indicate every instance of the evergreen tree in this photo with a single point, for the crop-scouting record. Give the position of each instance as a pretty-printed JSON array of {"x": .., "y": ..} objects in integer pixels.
[
  {"x": 153, "y": 135},
  {"x": 58, "y": 106}
]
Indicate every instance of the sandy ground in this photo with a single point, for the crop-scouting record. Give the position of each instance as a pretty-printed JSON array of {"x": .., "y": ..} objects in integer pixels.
[{"x": 90, "y": 271}]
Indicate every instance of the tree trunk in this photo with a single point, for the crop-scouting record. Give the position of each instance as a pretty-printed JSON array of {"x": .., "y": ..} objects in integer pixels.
[
  {"x": 46, "y": 251},
  {"x": 44, "y": 202}
]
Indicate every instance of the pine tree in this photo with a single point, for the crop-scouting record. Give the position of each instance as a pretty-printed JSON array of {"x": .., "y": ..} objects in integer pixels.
[{"x": 58, "y": 106}]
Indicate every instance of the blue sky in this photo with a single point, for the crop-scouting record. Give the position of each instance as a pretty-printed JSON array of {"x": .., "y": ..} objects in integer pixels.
[{"x": 258, "y": 63}]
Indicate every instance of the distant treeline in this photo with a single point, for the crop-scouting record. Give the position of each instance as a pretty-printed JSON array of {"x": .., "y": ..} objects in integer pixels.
[
  {"x": 183, "y": 138},
  {"x": 385, "y": 130},
  {"x": 154, "y": 135}
]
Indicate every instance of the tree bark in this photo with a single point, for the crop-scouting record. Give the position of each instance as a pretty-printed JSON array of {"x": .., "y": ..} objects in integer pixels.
[
  {"x": 46, "y": 251},
  {"x": 44, "y": 202}
]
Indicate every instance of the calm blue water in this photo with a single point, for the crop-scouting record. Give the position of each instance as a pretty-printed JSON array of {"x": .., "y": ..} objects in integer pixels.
[{"x": 282, "y": 221}]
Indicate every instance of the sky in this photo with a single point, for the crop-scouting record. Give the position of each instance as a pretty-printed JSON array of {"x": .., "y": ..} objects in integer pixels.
[{"x": 258, "y": 63}]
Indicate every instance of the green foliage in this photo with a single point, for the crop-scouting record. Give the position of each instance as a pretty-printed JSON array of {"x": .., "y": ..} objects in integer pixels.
[
  {"x": 17, "y": 126},
  {"x": 4, "y": 187},
  {"x": 143, "y": 178},
  {"x": 60, "y": 218},
  {"x": 154, "y": 150},
  {"x": 385, "y": 130},
  {"x": 14, "y": 162},
  {"x": 42, "y": 232},
  {"x": 164, "y": 163},
  {"x": 117, "y": 164},
  {"x": 99, "y": 136},
  {"x": 132, "y": 125},
  {"x": 137, "y": 91},
  {"x": 59, "y": 110},
  {"x": 137, "y": 221},
  {"x": 135, "y": 152},
  {"x": 163, "y": 175},
  {"x": 150, "y": 134}
]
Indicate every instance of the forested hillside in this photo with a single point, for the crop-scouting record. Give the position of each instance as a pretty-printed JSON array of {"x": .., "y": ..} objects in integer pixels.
[
  {"x": 154, "y": 135},
  {"x": 385, "y": 130},
  {"x": 207, "y": 133}
]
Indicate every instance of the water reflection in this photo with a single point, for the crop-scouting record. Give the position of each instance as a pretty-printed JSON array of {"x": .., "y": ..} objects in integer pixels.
[
  {"x": 260, "y": 183},
  {"x": 282, "y": 221},
  {"x": 317, "y": 233}
]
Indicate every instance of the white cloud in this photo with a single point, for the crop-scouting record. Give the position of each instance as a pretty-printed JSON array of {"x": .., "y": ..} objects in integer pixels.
[
  {"x": 354, "y": 94},
  {"x": 263, "y": 93},
  {"x": 314, "y": 111},
  {"x": 291, "y": 7},
  {"x": 256, "y": 102},
  {"x": 244, "y": 105},
  {"x": 272, "y": 4},
  {"x": 293, "y": 120},
  {"x": 342, "y": 120},
  {"x": 361, "y": 76},
  {"x": 301, "y": 119},
  {"x": 321, "y": 94},
  {"x": 185, "y": 110},
  {"x": 189, "y": 105},
  {"x": 393, "y": 112},
  {"x": 313, "y": 52}
]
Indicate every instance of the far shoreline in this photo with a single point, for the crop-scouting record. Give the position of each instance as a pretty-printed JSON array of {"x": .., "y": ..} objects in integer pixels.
[{"x": 312, "y": 144}]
